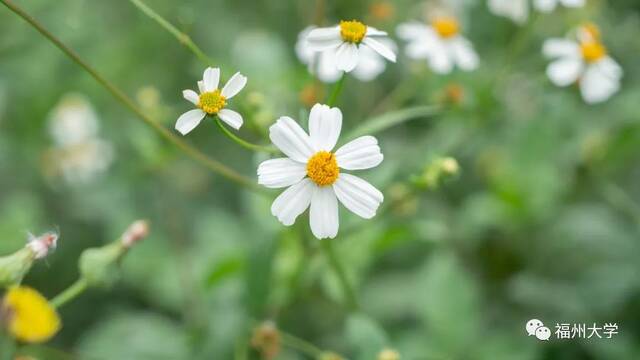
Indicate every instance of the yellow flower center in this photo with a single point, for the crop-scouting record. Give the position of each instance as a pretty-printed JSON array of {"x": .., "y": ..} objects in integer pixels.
[
  {"x": 592, "y": 30},
  {"x": 352, "y": 31},
  {"x": 29, "y": 316},
  {"x": 592, "y": 51},
  {"x": 446, "y": 26},
  {"x": 323, "y": 168},
  {"x": 211, "y": 102}
]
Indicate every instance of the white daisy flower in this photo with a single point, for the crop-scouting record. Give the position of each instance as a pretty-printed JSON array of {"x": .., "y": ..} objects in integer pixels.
[
  {"x": 584, "y": 61},
  {"x": 346, "y": 43},
  {"x": 212, "y": 101},
  {"x": 518, "y": 10},
  {"x": 323, "y": 64},
  {"x": 312, "y": 172},
  {"x": 441, "y": 44}
]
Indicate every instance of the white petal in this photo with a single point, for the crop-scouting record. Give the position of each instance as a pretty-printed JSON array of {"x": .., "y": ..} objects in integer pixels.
[
  {"x": 347, "y": 56},
  {"x": 371, "y": 31},
  {"x": 304, "y": 52},
  {"x": 278, "y": 173},
  {"x": 411, "y": 30},
  {"x": 370, "y": 65},
  {"x": 323, "y": 215},
  {"x": 191, "y": 96},
  {"x": 359, "y": 154},
  {"x": 234, "y": 85},
  {"x": 516, "y": 10},
  {"x": 211, "y": 78},
  {"x": 357, "y": 195},
  {"x": 545, "y": 5},
  {"x": 463, "y": 53},
  {"x": 556, "y": 47},
  {"x": 201, "y": 87},
  {"x": 565, "y": 71},
  {"x": 189, "y": 120},
  {"x": 440, "y": 60},
  {"x": 231, "y": 117},
  {"x": 322, "y": 39},
  {"x": 610, "y": 67},
  {"x": 326, "y": 68},
  {"x": 573, "y": 3},
  {"x": 289, "y": 137},
  {"x": 325, "y": 124},
  {"x": 597, "y": 86},
  {"x": 380, "y": 48},
  {"x": 293, "y": 202}
]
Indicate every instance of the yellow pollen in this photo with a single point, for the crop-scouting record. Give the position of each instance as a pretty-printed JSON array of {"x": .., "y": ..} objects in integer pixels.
[
  {"x": 211, "y": 102},
  {"x": 446, "y": 26},
  {"x": 352, "y": 31},
  {"x": 29, "y": 316},
  {"x": 592, "y": 51},
  {"x": 323, "y": 168}
]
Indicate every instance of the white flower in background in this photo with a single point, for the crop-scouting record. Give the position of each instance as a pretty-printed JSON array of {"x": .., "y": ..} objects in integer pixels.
[
  {"x": 312, "y": 173},
  {"x": 323, "y": 64},
  {"x": 584, "y": 61},
  {"x": 518, "y": 10},
  {"x": 347, "y": 44},
  {"x": 441, "y": 44},
  {"x": 212, "y": 101},
  {"x": 79, "y": 155}
]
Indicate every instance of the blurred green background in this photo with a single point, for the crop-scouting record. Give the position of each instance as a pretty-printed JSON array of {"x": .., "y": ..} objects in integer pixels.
[{"x": 543, "y": 220}]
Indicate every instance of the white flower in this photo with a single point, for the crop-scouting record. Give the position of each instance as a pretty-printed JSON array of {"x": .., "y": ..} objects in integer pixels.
[
  {"x": 440, "y": 44},
  {"x": 73, "y": 121},
  {"x": 323, "y": 64},
  {"x": 212, "y": 101},
  {"x": 346, "y": 43},
  {"x": 518, "y": 10},
  {"x": 42, "y": 245},
  {"x": 312, "y": 172},
  {"x": 586, "y": 62}
]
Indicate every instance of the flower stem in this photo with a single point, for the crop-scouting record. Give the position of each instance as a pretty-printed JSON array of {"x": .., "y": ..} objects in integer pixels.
[
  {"x": 70, "y": 293},
  {"x": 183, "y": 38},
  {"x": 301, "y": 345},
  {"x": 334, "y": 262},
  {"x": 195, "y": 154},
  {"x": 337, "y": 89},
  {"x": 244, "y": 143}
]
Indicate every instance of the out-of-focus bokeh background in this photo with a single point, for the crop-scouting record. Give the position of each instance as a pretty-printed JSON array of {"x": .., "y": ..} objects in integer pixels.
[{"x": 542, "y": 220}]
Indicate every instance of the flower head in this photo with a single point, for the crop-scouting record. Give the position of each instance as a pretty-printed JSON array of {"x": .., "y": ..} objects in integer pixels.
[
  {"x": 584, "y": 60},
  {"x": 266, "y": 339},
  {"x": 43, "y": 244},
  {"x": 344, "y": 44},
  {"x": 312, "y": 172},
  {"x": 212, "y": 101},
  {"x": 440, "y": 43},
  {"x": 28, "y": 316}
]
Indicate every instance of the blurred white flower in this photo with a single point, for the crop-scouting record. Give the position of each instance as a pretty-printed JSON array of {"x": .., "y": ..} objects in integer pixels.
[
  {"x": 518, "y": 10},
  {"x": 42, "y": 245},
  {"x": 78, "y": 154},
  {"x": 323, "y": 64},
  {"x": 212, "y": 101},
  {"x": 441, "y": 44},
  {"x": 349, "y": 44},
  {"x": 584, "y": 61},
  {"x": 311, "y": 172}
]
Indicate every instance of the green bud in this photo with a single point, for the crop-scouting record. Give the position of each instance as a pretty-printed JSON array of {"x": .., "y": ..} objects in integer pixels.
[
  {"x": 436, "y": 172},
  {"x": 15, "y": 266},
  {"x": 98, "y": 265}
]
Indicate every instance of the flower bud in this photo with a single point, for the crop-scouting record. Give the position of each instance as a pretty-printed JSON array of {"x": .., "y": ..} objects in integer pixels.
[
  {"x": 266, "y": 340},
  {"x": 15, "y": 266},
  {"x": 388, "y": 354},
  {"x": 437, "y": 171},
  {"x": 43, "y": 244},
  {"x": 136, "y": 232}
]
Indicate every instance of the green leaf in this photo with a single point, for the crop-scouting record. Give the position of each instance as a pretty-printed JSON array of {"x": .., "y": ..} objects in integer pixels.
[{"x": 225, "y": 269}]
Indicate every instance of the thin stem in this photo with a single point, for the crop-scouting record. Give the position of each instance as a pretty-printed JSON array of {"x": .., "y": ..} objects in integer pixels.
[
  {"x": 244, "y": 143},
  {"x": 337, "y": 89},
  {"x": 301, "y": 345},
  {"x": 183, "y": 38},
  {"x": 334, "y": 262},
  {"x": 70, "y": 293},
  {"x": 195, "y": 154}
]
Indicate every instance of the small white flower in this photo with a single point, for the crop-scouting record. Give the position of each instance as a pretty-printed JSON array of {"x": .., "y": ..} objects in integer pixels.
[
  {"x": 312, "y": 173},
  {"x": 212, "y": 101},
  {"x": 323, "y": 64},
  {"x": 441, "y": 44},
  {"x": 550, "y": 5},
  {"x": 518, "y": 10},
  {"x": 585, "y": 61},
  {"x": 345, "y": 44},
  {"x": 42, "y": 245}
]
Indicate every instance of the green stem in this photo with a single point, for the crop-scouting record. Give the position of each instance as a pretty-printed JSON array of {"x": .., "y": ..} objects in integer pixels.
[
  {"x": 183, "y": 38},
  {"x": 301, "y": 345},
  {"x": 334, "y": 262},
  {"x": 195, "y": 154},
  {"x": 244, "y": 143},
  {"x": 70, "y": 293},
  {"x": 337, "y": 89}
]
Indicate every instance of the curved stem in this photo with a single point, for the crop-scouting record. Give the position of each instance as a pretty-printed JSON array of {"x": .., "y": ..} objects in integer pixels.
[
  {"x": 244, "y": 143},
  {"x": 337, "y": 89},
  {"x": 70, "y": 293},
  {"x": 301, "y": 345},
  {"x": 334, "y": 262},
  {"x": 192, "y": 152},
  {"x": 183, "y": 38}
]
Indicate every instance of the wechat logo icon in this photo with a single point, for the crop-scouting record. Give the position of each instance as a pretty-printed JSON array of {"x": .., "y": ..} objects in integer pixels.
[{"x": 536, "y": 328}]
